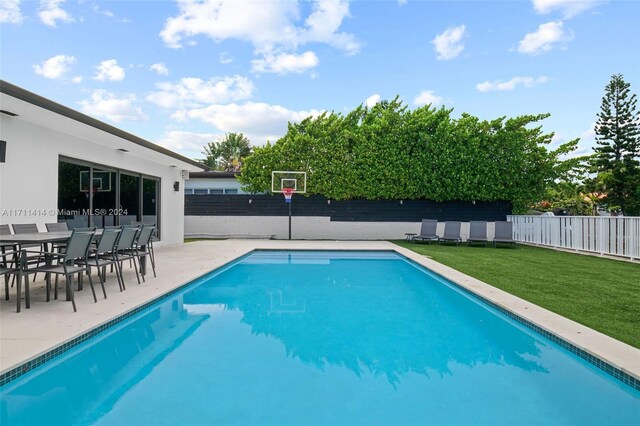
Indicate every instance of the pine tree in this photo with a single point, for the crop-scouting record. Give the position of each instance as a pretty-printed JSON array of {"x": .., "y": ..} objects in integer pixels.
[{"x": 618, "y": 151}]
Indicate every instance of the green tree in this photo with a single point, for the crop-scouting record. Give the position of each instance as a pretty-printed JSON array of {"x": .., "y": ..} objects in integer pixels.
[
  {"x": 228, "y": 153},
  {"x": 618, "y": 150},
  {"x": 391, "y": 152}
]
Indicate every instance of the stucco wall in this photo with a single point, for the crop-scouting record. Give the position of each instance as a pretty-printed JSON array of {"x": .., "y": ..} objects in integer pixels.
[
  {"x": 29, "y": 177},
  {"x": 306, "y": 228}
]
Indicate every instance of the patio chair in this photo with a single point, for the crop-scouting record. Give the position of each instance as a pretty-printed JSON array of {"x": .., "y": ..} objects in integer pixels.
[
  {"x": 504, "y": 234},
  {"x": 77, "y": 249},
  {"x": 29, "y": 228},
  {"x": 57, "y": 227},
  {"x": 477, "y": 232},
  {"x": 427, "y": 231},
  {"x": 142, "y": 248},
  {"x": 104, "y": 254},
  {"x": 451, "y": 232},
  {"x": 125, "y": 249},
  {"x": 13, "y": 267}
]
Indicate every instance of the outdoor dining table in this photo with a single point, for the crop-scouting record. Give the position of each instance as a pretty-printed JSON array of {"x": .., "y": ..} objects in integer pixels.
[{"x": 44, "y": 238}]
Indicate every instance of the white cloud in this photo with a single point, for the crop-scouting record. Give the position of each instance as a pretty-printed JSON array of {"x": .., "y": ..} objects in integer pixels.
[
  {"x": 225, "y": 58},
  {"x": 372, "y": 100},
  {"x": 499, "y": 85},
  {"x": 273, "y": 28},
  {"x": 544, "y": 39},
  {"x": 449, "y": 44},
  {"x": 428, "y": 97},
  {"x": 402, "y": 2},
  {"x": 109, "y": 70},
  {"x": 590, "y": 133},
  {"x": 266, "y": 25},
  {"x": 55, "y": 67},
  {"x": 77, "y": 79},
  {"x": 10, "y": 12},
  {"x": 109, "y": 14},
  {"x": 50, "y": 12},
  {"x": 193, "y": 91},
  {"x": 103, "y": 104},
  {"x": 187, "y": 143},
  {"x": 261, "y": 120},
  {"x": 569, "y": 8},
  {"x": 160, "y": 68},
  {"x": 285, "y": 63}
]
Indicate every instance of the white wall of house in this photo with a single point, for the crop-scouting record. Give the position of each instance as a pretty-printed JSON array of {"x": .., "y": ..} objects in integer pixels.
[
  {"x": 217, "y": 184},
  {"x": 38, "y": 137}
]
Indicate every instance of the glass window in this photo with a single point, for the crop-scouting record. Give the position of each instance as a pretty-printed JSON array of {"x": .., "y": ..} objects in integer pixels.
[
  {"x": 216, "y": 191},
  {"x": 73, "y": 194},
  {"x": 200, "y": 191},
  {"x": 230, "y": 191},
  {"x": 129, "y": 199},
  {"x": 188, "y": 191},
  {"x": 104, "y": 198},
  {"x": 150, "y": 191}
]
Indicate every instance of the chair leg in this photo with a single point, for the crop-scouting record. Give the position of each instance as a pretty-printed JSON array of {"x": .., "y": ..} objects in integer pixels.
[
  {"x": 101, "y": 277},
  {"x": 153, "y": 263},
  {"x": 27, "y": 293},
  {"x": 136, "y": 269},
  {"x": 120, "y": 276},
  {"x": 18, "y": 294},
  {"x": 70, "y": 291},
  {"x": 6, "y": 287},
  {"x": 93, "y": 290}
]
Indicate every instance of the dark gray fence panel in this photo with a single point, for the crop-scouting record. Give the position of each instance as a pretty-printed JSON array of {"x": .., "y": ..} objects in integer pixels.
[{"x": 347, "y": 210}]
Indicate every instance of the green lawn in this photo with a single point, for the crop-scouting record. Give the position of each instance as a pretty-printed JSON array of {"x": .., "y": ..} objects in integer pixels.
[{"x": 602, "y": 294}]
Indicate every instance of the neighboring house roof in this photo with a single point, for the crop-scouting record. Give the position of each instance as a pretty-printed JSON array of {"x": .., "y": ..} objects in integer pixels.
[
  {"x": 39, "y": 101},
  {"x": 213, "y": 175}
]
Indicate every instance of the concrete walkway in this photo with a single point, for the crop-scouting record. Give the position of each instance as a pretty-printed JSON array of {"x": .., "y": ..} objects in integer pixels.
[{"x": 25, "y": 335}]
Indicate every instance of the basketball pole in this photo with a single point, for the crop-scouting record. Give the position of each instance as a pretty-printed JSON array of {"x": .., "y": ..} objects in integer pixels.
[{"x": 290, "y": 201}]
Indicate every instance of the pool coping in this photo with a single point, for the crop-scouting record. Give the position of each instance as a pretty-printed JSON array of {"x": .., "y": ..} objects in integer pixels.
[{"x": 615, "y": 358}]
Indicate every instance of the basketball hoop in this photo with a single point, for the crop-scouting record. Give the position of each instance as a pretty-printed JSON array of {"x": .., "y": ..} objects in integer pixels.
[{"x": 288, "y": 193}]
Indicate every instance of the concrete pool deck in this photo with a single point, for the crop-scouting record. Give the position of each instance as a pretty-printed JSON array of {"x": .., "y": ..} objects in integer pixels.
[{"x": 47, "y": 325}]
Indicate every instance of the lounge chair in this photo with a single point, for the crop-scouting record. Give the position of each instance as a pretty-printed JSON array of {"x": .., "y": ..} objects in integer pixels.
[
  {"x": 451, "y": 232},
  {"x": 504, "y": 233},
  {"x": 427, "y": 231},
  {"x": 477, "y": 232}
]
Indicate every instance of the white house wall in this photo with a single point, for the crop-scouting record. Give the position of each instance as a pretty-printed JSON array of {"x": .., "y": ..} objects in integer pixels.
[{"x": 29, "y": 177}]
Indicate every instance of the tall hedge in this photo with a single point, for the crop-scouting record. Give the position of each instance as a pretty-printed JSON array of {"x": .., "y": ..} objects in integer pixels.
[{"x": 392, "y": 152}]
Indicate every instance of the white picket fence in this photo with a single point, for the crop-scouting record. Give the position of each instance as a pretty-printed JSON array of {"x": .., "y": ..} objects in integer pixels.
[{"x": 617, "y": 236}]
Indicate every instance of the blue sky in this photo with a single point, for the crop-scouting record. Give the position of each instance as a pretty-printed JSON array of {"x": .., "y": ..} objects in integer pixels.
[{"x": 181, "y": 73}]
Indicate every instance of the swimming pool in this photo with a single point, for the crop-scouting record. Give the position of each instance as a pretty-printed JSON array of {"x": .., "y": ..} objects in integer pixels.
[{"x": 319, "y": 338}]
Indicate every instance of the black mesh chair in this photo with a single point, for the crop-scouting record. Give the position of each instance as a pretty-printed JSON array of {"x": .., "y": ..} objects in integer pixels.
[
  {"x": 11, "y": 266},
  {"x": 125, "y": 248},
  {"x": 70, "y": 262},
  {"x": 34, "y": 257},
  {"x": 104, "y": 254},
  {"x": 142, "y": 248}
]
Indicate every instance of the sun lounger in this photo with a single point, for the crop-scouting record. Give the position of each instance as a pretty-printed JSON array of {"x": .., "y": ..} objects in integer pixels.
[
  {"x": 504, "y": 233},
  {"x": 477, "y": 232},
  {"x": 451, "y": 232},
  {"x": 427, "y": 231}
]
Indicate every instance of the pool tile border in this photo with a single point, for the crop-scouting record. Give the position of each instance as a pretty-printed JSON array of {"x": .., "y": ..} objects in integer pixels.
[{"x": 29, "y": 365}]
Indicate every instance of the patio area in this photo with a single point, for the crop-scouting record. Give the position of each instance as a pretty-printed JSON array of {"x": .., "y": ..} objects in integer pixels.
[{"x": 35, "y": 331}]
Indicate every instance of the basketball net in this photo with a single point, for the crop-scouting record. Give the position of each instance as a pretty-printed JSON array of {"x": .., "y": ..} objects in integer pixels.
[{"x": 288, "y": 193}]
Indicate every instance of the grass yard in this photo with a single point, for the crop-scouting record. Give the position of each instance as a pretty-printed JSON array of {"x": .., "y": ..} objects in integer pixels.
[{"x": 602, "y": 294}]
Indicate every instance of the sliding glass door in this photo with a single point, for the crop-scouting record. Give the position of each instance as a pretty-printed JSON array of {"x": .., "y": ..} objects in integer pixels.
[{"x": 94, "y": 195}]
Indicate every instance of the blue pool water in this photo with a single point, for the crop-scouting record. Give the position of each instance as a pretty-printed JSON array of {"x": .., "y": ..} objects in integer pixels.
[{"x": 323, "y": 338}]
